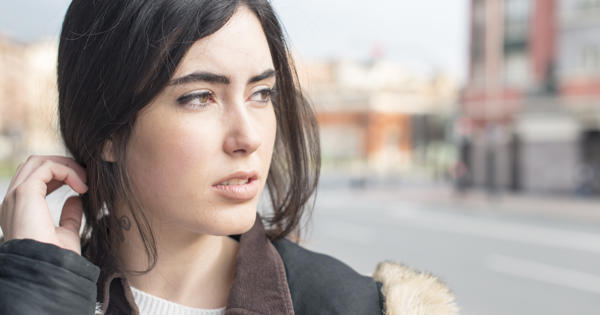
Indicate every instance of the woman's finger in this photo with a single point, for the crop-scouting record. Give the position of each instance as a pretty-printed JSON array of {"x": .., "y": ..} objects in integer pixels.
[
  {"x": 70, "y": 217},
  {"x": 51, "y": 171},
  {"x": 34, "y": 162}
]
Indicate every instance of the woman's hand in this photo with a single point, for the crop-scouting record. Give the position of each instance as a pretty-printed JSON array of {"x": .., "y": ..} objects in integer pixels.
[{"x": 24, "y": 213}]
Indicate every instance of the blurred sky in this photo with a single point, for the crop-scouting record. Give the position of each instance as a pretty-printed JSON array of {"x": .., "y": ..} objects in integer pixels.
[{"x": 426, "y": 35}]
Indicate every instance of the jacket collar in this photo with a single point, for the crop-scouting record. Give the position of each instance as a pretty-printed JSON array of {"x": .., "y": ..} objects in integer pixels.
[{"x": 259, "y": 287}]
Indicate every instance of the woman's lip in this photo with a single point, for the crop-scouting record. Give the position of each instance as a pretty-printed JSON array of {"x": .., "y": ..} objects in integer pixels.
[
  {"x": 252, "y": 175},
  {"x": 239, "y": 192}
]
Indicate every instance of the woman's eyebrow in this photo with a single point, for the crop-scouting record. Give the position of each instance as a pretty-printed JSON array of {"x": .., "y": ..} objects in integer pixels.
[
  {"x": 265, "y": 75},
  {"x": 217, "y": 78},
  {"x": 200, "y": 77}
]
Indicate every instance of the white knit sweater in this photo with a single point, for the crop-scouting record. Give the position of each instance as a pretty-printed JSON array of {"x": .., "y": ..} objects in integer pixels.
[{"x": 152, "y": 305}]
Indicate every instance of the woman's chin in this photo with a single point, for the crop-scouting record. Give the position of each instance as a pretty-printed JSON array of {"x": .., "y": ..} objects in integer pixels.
[
  {"x": 233, "y": 221},
  {"x": 241, "y": 224}
]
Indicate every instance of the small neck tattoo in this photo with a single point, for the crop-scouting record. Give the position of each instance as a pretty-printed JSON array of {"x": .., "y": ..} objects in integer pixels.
[{"x": 123, "y": 224}]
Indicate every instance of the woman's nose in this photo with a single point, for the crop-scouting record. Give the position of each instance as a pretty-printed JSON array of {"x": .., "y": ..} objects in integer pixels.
[{"x": 242, "y": 136}]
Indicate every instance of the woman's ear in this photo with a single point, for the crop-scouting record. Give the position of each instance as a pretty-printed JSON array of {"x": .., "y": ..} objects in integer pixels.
[{"x": 108, "y": 154}]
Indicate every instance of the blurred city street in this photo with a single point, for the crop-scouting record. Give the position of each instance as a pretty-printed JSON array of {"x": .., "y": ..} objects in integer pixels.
[
  {"x": 508, "y": 255},
  {"x": 496, "y": 260}
]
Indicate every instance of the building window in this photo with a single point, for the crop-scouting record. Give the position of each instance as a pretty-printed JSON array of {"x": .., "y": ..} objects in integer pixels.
[
  {"x": 516, "y": 23},
  {"x": 590, "y": 59},
  {"x": 516, "y": 70},
  {"x": 478, "y": 44},
  {"x": 517, "y": 10},
  {"x": 588, "y": 5}
]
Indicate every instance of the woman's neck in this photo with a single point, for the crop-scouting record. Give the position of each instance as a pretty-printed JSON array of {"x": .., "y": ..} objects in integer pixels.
[{"x": 191, "y": 269}]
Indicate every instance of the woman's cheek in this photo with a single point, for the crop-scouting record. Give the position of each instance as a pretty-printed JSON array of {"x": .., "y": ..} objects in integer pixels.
[
  {"x": 188, "y": 157},
  {"x": 169, "y": 153},
  {"x": 269, "y": 134}
]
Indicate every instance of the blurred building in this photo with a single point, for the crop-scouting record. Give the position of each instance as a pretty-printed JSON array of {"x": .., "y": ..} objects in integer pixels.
[
  {"x": 28, "y": 99},
  {"x": 377, "y": 116},
  {"x": 530, "y": 109}
]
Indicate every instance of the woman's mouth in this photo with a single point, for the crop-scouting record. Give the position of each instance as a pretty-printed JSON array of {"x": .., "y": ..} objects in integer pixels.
[
  {"x": 235, "y": 182},
  {"x": 239, "y": 186}
]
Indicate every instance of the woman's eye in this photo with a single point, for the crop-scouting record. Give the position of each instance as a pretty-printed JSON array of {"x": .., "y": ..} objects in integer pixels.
[
  {"x": 262, "y": 96},
  {"x": 196, "y": 99}
]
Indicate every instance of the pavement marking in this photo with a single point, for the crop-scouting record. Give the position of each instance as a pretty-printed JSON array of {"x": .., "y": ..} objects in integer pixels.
[
  {"x": 544, "y": 273},
  {"x": 501, "y": 230}
]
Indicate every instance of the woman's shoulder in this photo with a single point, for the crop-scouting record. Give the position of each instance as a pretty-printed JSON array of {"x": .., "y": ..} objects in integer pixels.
[{"x": 322, "y": 284}]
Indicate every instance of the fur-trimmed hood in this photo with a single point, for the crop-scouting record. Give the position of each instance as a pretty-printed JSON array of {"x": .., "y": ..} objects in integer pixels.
[{"x": 410, "y": 292}]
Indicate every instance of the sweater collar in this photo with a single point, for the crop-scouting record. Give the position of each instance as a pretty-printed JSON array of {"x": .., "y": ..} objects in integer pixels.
[{"x": 259, "y": 287}]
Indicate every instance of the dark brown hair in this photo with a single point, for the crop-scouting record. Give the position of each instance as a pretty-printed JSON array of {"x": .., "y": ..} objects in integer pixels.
[{"x": 115, "y": 56}]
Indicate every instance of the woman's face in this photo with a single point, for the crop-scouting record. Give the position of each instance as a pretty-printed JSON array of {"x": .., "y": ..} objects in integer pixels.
[{"x": 200, "y": 152}]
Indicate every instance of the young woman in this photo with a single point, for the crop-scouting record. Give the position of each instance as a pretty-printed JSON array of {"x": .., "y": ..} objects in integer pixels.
[{"x": 177, "y": 114}]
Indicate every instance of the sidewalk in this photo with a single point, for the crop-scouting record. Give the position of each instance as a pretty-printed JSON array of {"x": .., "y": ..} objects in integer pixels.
[
  {"x": 425, "y": 191},
  {"x": 559, "y": 207}
]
